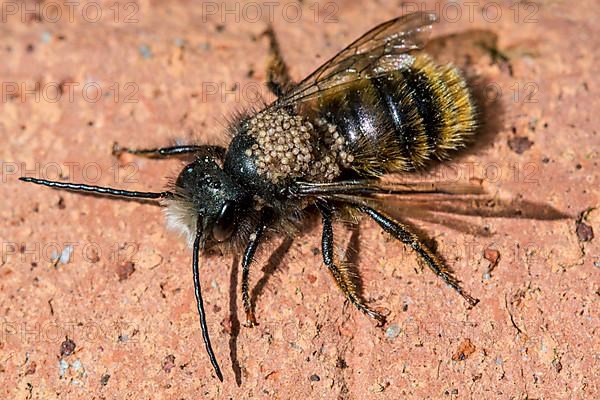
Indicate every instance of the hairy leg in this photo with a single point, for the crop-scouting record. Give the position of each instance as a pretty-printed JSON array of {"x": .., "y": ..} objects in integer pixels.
[
  {"x": 402, "y": 233},
  {"x": 164, "y": 152},
  {"x": 342, "y": 276},
  {"x": 278, "y": 75}
]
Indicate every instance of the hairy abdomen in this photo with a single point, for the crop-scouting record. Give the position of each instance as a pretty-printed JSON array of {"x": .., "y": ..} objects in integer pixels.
[{"x": 399, "y": 121}]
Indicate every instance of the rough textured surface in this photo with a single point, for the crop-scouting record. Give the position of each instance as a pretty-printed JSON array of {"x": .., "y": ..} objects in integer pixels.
[{"x": 96, "y": 297}]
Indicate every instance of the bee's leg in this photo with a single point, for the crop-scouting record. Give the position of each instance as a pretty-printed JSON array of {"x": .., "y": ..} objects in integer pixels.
[
  {"x": 164, "y": 152},
  {"x": 251, "y": 247},
  {"x": 278, "y": 75},
  {"x": 343, "y": 277},
  {"x": 402, "y": 233}
]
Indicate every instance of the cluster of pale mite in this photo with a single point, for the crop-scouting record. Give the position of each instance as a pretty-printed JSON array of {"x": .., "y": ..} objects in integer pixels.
[
  {"x": 289, "y": 147},
  {"x": 324, "y": 142}
]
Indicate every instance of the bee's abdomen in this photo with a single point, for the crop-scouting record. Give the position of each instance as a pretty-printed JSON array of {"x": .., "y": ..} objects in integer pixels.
[{"x": 398, "y": 121}]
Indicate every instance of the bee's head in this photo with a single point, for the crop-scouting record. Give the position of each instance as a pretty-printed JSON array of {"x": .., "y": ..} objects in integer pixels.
[{"x": 204, "y": 192}]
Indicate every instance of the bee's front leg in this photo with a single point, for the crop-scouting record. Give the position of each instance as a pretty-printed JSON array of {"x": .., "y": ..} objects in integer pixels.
[{"x": 254, "y": 241}]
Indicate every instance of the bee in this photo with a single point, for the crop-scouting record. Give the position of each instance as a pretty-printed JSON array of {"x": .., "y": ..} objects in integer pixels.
[{"x": 378, "y": 107}]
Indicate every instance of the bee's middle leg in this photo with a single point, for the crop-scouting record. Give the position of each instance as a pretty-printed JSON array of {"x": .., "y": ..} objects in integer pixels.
[
  {"x": 278, "y": 75},
  {"x": 342, "y": 276}
]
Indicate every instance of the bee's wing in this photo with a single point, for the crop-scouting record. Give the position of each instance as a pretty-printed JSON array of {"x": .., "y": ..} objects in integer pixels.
[
  {"x": 460, "y": 199},
  {"x": 456, "y": 211},
  {"x": 380, "y": 50},
  {"x": 365, "y": 187},
  {"x": 483, "y": 206}
]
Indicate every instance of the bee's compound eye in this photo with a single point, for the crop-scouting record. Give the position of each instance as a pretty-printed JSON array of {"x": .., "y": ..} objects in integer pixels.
[{"x": 225, "y": 223}]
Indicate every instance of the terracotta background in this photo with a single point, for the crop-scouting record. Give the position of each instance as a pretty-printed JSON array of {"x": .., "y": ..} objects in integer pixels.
[{"x": 124, "y": 297}]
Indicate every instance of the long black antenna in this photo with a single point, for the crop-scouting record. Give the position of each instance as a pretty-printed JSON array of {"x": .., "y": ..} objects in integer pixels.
[
  {"x": 80, "y": 187},
  {"x": 196, "y": 250},
  {"x": 199, "y": 302}
]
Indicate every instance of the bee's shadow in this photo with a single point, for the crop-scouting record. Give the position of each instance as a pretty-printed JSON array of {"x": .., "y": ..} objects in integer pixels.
[{"x": 235, "y": 322}]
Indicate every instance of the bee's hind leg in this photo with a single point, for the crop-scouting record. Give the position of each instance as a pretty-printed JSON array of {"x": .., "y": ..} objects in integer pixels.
[
  {"x": 164, "y": 152},
  {"x": 402, "y": 233},
  {"x": 343, "y": 277},
  {"x": 278, "y": 75}
]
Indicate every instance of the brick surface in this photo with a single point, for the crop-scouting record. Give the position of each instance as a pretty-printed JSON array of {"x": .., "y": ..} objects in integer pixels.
[{"x": 113, "y": 315}]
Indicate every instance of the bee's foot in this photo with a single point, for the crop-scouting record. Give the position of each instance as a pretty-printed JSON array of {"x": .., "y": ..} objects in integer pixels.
[{"x": 250, "y": 320}]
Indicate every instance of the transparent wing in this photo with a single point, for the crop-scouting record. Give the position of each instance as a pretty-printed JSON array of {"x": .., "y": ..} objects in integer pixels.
[
  {"x": 442, "y": 203},
  {"x": 460, "y": 199},
  {"x": 380, "y": 50},
  {"x": 378, "y": 187}
]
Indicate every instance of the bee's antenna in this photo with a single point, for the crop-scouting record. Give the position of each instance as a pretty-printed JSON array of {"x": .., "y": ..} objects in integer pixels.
[
  {"x": 96, "y": 189},
  {"x": 198, "y": 292}
]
